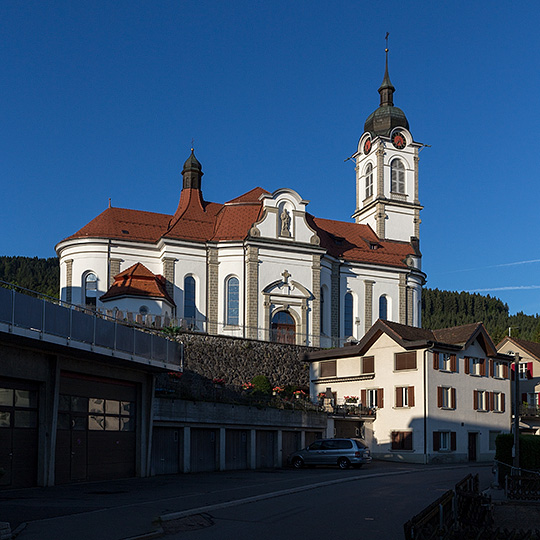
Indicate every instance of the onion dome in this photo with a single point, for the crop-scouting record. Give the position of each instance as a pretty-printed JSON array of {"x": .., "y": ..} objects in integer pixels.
[
  {"x": 387, "y": 117},
  {"x": 192, "y": 172}
]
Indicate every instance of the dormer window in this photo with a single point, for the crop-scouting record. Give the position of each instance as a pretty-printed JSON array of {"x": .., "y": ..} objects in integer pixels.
[
  {"x": 397, "y": 170},
  {"x": 374, "y": 245}
]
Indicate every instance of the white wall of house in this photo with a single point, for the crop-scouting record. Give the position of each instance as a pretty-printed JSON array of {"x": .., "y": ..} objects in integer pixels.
[{"x": 463, "y": 419}]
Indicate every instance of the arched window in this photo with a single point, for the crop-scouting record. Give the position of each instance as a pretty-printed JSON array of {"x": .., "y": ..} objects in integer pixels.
[
  {"x": 190, "y": 310},
  {"x": 397, "y": 176},
  {"x": 232, "y": 301},
  {"x": 383, "y": 308},
  {"x": 348, "y": 327},
  {"x": 283, "y": 328},
  {"x": 369, "y": 180},
  {"x": 90, "y": 290}
]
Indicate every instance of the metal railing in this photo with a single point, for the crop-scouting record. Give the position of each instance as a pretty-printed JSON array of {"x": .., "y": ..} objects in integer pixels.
[{"x": 44, "y": 315}]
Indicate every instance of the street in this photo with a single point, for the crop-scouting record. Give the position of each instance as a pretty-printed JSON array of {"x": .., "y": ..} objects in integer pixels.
[{"x": 372, "y": 502}]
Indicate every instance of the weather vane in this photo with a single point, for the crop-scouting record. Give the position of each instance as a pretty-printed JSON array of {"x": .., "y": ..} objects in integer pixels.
[
  {"x": 192, "y": 143},
  {"x": 386, "y": 39}
]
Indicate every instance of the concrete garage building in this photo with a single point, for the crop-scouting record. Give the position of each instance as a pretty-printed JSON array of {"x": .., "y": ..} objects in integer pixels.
[
  {"x": 431, "y": 395},
  {"x": 76, "y": 394}
]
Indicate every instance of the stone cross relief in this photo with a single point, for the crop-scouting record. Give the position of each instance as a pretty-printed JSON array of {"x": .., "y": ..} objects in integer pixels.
[
  {"x": 285, "y": 223},
  {"x": 286, "y": 283}
]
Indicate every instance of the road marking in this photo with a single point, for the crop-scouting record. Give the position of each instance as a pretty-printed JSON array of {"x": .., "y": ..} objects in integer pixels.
[{"x": 290, "y": 491}]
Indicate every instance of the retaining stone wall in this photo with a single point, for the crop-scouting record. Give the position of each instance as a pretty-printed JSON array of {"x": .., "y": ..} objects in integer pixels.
[{"x": 238, "y": 360}]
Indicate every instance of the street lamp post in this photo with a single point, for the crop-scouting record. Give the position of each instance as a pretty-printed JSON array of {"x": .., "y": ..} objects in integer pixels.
[{"x": 515, "y": 449}]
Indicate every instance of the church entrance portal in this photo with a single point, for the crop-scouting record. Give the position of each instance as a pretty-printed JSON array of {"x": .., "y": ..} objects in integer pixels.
[{"x": 283, "y": 328}]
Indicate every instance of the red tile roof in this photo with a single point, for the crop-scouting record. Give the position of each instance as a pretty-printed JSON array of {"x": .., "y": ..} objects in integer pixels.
[
  {"x": 137, "y": 280},
  {"x": 200, "y": 221}
]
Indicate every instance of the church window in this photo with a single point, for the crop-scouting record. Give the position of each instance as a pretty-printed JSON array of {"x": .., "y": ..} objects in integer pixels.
[
  {"x": 90, "y": 290},
  {"x": 233, "y": 301},
  {"x": 348, "y": 314},
  {"x": 283, "y": 327},
  {"x": 397, "y": 176},
  {"x": 369, "y": 180},
  {"x": 189, "y": 298},
  {"x": 383, "y": 308}
]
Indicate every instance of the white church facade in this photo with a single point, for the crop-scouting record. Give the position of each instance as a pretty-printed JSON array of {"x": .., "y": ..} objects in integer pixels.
[{"x": 260, "y": 266}]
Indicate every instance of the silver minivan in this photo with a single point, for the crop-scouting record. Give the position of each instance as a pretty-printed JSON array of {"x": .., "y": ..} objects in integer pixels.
[{"x": 340, "y": 452}]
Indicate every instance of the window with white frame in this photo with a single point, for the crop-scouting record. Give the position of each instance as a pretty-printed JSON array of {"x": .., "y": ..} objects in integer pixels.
[
  {"x": 444, "y": 440},
  {"x": 404, "y": 396},
  {"x": 477, "y": 366},
  {"x": 444, "y": 362},
  {"x": 233, "y": 301},
  {"x": 498, "y": 369},
  {"x": 372, "y": 397},
  {"x": 481, "y": 399},
  {"x": 446, "y": 397},
  {"x": 498, "y": 402},
  {"x": 90, "y": 290},
  {"x": 523, "y": 369},
  {"x": 397, "y": 182},
  {"x": 533, "y": 399},
  {"x": 369, "y": 180}
]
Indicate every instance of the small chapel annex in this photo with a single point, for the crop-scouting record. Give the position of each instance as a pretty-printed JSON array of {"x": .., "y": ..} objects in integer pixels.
[{"x": 260, "y": 266}]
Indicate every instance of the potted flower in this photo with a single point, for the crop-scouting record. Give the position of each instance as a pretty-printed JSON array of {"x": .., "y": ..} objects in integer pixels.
[
  {"x": 277, "y": 390},
  {"x": 351, "y": 399},
  {"x": 218, "y": 382}
]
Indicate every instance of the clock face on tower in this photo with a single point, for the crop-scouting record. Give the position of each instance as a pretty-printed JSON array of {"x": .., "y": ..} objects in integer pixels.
[
  {"x": 398, "y": 140},
  {"x": 367, "y": 146}
]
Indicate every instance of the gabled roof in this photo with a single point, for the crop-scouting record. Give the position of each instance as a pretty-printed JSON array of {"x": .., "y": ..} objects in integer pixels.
[
  {"x": 197, "y": 220},
  {"x": 410, "y": 337},
  {"x": 531, "y": 347},
  {"x": 137, "y": 280}
]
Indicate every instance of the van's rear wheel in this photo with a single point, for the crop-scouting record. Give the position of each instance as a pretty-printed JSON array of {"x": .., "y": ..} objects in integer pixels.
[{"x": 343, "y": 463}]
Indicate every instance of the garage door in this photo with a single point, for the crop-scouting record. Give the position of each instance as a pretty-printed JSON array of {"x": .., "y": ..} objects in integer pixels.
[
  {"x": 96, "y": 435},
  {"x": 18, "y": 434}
]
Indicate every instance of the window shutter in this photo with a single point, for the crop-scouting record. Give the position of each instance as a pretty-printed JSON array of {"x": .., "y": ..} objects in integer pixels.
[
  {"x": 399, "y": 397},
  {"x": 491, "y": 397},
  {"x": 407, "y": 440},
  {"x": 491, "y": 368},
  {"x": 435, "y": 360},
  {"x": 411, "y": 396},
  {"x": 453, "y": 362},
  {"x": 368, "y": 364},
  {"x": 475, "y": 400},
  {"x": 363, "y": 397},
  {"x": 505, "y": 371},
  {"x": 453, "y": 397},
  {"x": 395, "y": 440},
  {"x": 439, "y": 396},
  {"x": 380, "y": 398},
  {"x": 328, "y": 368},
  {"x": 503, "y": 404},
  {"x": 513, "y": 370},
  {"x": 467, "y": 361},
  {"x": 483, "y": 367},
  {"x": 453, "y": 442},
  {"x": 436, "y": 441},
  {"x": 529, "y": 370}
]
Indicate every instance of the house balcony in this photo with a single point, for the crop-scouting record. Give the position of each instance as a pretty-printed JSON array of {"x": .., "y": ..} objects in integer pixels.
[{"x": 529, "y": 411}]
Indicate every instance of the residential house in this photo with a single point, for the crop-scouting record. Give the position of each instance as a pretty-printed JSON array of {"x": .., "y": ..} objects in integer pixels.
[
  {"x": 529, "y": 380},
  {"x": 435, "y": 395}
]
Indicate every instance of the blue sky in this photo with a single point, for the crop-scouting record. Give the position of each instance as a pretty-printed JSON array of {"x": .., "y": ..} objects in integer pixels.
[{"x": 102, "y": 99}]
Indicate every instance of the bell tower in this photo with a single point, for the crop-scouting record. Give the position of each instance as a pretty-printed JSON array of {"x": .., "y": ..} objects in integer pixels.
[{"x": 387, "y": 171}]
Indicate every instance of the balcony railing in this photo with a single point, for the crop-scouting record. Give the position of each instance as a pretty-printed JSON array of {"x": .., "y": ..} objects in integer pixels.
[
  {"x": 529, "y": 410},
  {"x": 46, "y": 316}
]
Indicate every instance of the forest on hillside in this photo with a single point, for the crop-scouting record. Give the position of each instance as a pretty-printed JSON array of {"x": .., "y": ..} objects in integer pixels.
[
  {"x": 440, "y": 309},
  {"x": 41, "y": 275}
]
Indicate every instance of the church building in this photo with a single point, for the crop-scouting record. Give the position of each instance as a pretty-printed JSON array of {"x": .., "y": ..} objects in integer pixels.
[{"x": 260, "y": 266}]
